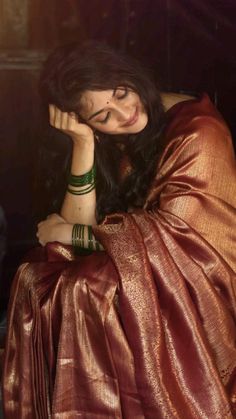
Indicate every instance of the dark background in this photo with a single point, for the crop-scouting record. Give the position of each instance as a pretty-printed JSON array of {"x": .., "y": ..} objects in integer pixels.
[{"x": 189, "y": 44}]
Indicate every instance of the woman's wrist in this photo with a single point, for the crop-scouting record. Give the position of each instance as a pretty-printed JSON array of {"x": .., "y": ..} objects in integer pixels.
[
  {"x": 82, "y": 157},
  {"x": 83, "y": 238},
  {"x": 83, "y": 142},
  {"x": 63, "y": 233}
]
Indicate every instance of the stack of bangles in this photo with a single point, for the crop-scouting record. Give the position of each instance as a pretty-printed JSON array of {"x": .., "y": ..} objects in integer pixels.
[
  {"x": 82, "y": 237},
  {"x": 88, "y": 180}
]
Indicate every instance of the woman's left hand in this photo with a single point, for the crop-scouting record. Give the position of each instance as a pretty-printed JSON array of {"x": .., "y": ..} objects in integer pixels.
[{"x": 54, "y": 228}]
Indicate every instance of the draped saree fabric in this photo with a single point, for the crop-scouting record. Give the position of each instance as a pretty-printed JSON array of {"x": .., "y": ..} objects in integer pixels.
[{"x": 146, "y": 328}]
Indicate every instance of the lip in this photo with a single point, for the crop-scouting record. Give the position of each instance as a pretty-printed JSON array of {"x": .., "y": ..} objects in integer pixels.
[{"x": 133, "y": 119}]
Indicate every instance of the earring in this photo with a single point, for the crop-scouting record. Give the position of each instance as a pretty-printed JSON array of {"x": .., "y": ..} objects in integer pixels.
[{"x": 96, "y": 136}]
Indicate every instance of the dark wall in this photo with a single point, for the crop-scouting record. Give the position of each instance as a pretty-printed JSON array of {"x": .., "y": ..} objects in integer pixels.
[{"x": 189, "y": 44}]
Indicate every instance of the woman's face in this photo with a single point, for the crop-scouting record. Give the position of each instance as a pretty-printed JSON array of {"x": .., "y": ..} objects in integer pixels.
[{"x": 118, "y": 111}]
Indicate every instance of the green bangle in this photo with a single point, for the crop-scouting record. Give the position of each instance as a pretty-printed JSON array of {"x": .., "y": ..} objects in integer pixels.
[
  {"x": 82, "y": 180},
  {"x": 83, "y": 191},
  {"x": 78, "y": 239},
  {"x": 93, "y": 244},
  {"x": 75, "y": 238},
  {"x": 81, "y": 235},
  {"x": 90, "y": 238}
]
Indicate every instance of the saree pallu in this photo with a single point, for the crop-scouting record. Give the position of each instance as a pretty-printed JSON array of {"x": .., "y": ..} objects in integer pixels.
[{"x": 147, "y": 328}]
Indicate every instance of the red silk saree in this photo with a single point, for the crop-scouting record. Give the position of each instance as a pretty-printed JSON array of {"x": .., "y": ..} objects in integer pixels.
[{"x": 147, "y": 328}]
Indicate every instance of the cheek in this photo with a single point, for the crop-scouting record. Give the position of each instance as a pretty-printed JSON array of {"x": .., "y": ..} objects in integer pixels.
[
  {"x": 136, "y": 97},
  {"x": 137, "y": 102},
  {"x": 97, "y": 127},
  {"x": 100, "y": 128},
  {"x": 108, "y": 130}
]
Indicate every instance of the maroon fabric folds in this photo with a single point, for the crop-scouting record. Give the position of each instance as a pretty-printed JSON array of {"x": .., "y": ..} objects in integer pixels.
[{"x": 146, "y": 329}]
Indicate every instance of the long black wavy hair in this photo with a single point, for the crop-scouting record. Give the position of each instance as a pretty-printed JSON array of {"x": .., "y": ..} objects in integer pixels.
[{"x": 71, "y": 70}]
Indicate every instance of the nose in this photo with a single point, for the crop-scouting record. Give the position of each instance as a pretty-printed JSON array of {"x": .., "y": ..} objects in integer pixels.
[{"x": 123, "y": 112}]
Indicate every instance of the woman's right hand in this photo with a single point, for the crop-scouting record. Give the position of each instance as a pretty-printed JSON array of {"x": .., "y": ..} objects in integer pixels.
[{"x": 69, "y": 124}]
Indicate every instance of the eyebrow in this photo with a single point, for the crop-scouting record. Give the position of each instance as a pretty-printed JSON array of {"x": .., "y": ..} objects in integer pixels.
[{"x": 101, "y": 110}]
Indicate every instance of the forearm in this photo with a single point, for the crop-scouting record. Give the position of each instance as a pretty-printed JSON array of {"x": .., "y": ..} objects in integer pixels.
[{"x": 80, "y": 207}]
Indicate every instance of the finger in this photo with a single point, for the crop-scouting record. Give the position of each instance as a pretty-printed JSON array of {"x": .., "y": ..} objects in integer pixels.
[
  {"x": 57, "y": 119},
  {"x": 64, "y": 120},
  {"x": 52, "y": 111},
  {"x": 39, "y": 225},
  {"x": 72, "y": 124},
  {"x": 72, "y": 115},
  {"x": 51, "y": 215},
  {"x": 73, "y": 121}
]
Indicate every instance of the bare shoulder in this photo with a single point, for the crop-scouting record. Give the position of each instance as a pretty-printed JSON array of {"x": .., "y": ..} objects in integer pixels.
[{"x": 170, "y": 99}]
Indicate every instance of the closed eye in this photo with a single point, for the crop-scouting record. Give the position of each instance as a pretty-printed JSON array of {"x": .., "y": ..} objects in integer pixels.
[
  {"x": 123, "y": 94},
  {"x": 103, "y": 121}
]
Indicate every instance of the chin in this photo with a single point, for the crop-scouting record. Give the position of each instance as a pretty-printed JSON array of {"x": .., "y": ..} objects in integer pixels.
[{"x": 138, "y": 126}]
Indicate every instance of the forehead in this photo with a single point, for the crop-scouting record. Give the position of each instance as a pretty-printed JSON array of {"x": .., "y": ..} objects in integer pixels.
[{"x": 95, "y": 100}]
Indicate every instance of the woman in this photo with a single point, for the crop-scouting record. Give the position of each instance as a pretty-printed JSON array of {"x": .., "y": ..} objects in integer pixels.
[{"x": 146, "y": 328}]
